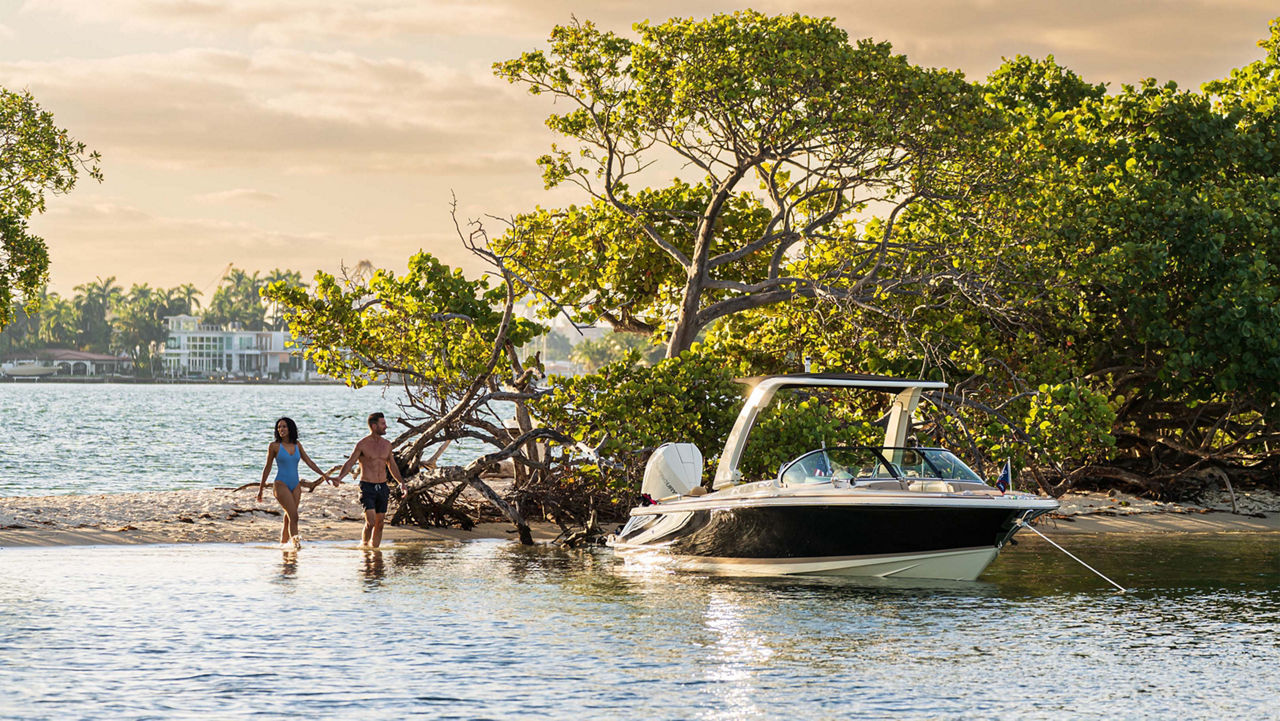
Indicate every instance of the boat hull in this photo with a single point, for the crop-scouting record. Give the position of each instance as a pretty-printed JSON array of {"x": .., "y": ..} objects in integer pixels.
[
  {"x": 28, "y": 371},
  {"x": 957, "y": 565},
  {"x": 947, "y": 542}
]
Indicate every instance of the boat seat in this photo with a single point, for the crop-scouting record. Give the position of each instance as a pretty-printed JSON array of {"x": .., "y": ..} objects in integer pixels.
[
  {"x": 930, "y": 487},
  {"x": 881, "y": 485}
]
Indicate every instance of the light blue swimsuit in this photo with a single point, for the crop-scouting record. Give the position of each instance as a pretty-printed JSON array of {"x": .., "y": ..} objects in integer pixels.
[{"x": 287, "y": 465}]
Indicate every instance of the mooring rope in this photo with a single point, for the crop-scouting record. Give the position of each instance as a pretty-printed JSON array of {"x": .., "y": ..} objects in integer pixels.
[{"x": 1028, "y": 526}]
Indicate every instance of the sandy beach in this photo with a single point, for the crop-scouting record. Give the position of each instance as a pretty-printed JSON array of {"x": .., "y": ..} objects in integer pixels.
[
  {"x": 225, "y": 516},
  {"x": 215, "y": 515}
]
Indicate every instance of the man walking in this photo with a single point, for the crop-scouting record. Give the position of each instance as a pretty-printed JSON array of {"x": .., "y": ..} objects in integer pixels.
[{"x": 373, "y": 453}]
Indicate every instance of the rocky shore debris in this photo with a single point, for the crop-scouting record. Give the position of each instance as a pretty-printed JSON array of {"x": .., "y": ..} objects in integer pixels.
[{"x": 1255, "y": 503}]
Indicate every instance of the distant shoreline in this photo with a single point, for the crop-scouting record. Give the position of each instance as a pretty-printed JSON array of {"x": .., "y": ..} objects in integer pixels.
[{"x": 125, "y": 380}]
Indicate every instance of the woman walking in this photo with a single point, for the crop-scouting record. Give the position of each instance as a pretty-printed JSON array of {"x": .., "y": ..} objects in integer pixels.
[{"x": 287, "y": 451}]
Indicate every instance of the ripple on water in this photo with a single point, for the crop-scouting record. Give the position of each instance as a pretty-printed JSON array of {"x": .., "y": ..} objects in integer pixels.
[
  {"x": 61, "y": 438},
  {"x": 489, "y": 629}
]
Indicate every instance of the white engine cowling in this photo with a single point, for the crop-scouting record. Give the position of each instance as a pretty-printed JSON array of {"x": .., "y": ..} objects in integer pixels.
[{"x": 674, "y": 469}]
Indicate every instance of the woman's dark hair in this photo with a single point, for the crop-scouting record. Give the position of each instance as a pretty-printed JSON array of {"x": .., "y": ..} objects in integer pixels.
[{"x": 293, "y": 430}]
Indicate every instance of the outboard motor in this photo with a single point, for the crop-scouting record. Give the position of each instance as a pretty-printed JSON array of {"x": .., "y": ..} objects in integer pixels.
[{"x": 674, "y": 469}]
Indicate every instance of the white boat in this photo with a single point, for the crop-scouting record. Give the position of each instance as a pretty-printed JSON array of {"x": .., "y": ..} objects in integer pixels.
[
  {"x": 891, "y": 510},
  {"x": 27, "y": 369}
]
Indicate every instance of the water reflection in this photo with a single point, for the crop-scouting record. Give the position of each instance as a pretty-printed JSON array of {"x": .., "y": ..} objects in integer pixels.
[
  {"x": 288, "y": 564},
  {"x": 739, "y": 654},
  {"x": 414, "y": 555},
  {"x": 511, "y": 631},
  {"x": 373, "y": 570}
]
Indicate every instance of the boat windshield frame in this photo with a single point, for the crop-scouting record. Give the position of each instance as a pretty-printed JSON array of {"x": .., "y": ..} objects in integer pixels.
[{"x": 906, "y": 394}]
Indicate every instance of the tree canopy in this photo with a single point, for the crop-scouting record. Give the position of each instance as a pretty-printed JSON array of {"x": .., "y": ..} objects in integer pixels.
[
  {"x": 36, "y": 158},
  {"x": 1137, "y": 253},
  {"x": 1094, "y": 272},
  {"x": 785, "y": 132}
]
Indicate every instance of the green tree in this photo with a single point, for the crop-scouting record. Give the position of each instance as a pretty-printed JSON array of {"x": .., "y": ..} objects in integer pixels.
[
  {"x": 592, "y": 354},
  {"x": 553, "y": 346},
  {"x": 792, "y": 131},
  {"x": 628, "y": 409},
  {"x": 238, "y": 300},
  {"x": 451, "y": 343},
  {"x": 276, "y": 318},
  {"x": 59, "y": 322},
  {"x": 36, "y": 157},
  {"x": 95, "y": 303},
  {"x": 139, "y": 328},
  {"x": 1157, "y": 206},
  {"x": 22, "y": 332},
  {"x": 1129, "y": 347},
  {"x": 184, "y": 300}
]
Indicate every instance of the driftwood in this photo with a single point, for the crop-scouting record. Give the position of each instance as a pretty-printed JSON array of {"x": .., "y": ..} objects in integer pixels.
[{"x": 423, "y": 507}]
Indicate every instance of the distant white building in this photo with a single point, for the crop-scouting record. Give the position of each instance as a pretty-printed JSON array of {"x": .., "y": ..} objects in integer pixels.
[
  {"x": 63, "y": 362},
  {"x": 194, "y": 349}
]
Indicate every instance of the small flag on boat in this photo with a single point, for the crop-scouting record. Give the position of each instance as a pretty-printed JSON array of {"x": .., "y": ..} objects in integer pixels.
[{"x": 1006, "y": 477}]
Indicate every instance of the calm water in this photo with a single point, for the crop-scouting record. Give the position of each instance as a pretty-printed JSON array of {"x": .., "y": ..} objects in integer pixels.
[
  {"x": 58, "y": 438},
  {"x": 493, "y": 630}
]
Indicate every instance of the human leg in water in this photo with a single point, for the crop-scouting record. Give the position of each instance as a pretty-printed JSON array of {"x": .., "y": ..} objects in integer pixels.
[{"x": 371, "y": 537}]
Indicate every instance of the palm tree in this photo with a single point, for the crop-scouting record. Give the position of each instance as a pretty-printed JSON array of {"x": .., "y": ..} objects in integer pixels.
[
  {"x": 237, "y": 300},
  {"x": 276, "y": 318},
  {"x": 139, "y": 294},
  {"x": 139, "y": 326},
  {"x": 96, "y": 301},
  {"x": 23, "y": 328},
  {"x": 187, "y": 293},
  {"x": 170, "y": 300},
  {"x": 59, "y": 321}
]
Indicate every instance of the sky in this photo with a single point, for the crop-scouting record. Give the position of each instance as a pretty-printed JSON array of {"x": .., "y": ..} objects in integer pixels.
[{"x": 314, "y": 134}]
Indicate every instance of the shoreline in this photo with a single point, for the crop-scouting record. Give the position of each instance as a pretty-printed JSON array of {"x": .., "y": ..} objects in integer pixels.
[
  {"x": 261, "y": 534},
  {"x": 130, "y": 380},
  {"x": 219, "y": 515},
  {"x": 214, "y": 515}
]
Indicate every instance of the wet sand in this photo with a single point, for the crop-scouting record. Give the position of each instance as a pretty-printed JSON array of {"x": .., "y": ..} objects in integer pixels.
[
  {"x": 328, "y": 514},
  {"x": 207, "y": 516}
]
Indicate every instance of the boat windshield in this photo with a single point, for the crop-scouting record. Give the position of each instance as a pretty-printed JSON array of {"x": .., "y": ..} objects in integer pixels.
[
  {"x": 844, "y": 463},
  {"x": 950, "y": 467},
  {"x": 931, "y": 463},
  {"x": 864, "y": 463}
]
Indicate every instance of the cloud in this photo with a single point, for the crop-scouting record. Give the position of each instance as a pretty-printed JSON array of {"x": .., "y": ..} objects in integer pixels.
[
  {"x": 93, "y": 237},
  {"x": 293, "y": 110},
  {"x": 291, "y": 22},
  {"x": 238, "y": 195},
  {"x": 1114, "y": 39},
  {"x": 336, "y": 129}
]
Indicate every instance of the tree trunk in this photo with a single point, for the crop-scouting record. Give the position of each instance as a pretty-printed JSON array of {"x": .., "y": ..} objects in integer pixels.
[
  {"x": 513, "y": 515},
  {"x": 686, "y": 328}
]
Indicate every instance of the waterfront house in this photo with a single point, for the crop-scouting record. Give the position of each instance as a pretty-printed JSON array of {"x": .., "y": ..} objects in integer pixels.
[
  {"x": 194, "y": 349},
  {"x": 68, "y": 362}
]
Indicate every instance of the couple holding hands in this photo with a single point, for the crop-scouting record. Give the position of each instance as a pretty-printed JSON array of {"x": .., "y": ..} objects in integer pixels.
[{"x": 373, "y": 453}]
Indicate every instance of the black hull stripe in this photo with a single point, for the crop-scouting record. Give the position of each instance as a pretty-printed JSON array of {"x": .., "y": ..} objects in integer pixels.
[{"x": 822, "y": 532}]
